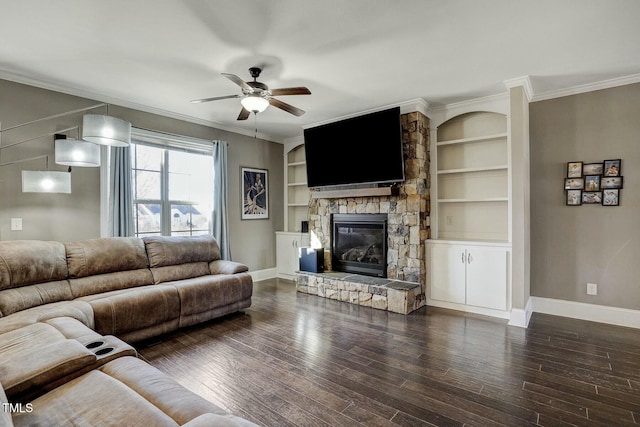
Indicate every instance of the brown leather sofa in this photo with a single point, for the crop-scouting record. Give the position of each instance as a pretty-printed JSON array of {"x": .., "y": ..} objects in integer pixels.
[{"x": 66, "y": 310}]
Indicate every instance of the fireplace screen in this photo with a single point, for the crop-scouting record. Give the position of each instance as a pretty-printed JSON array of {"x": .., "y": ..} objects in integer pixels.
[{"x": 359, "y": 244}]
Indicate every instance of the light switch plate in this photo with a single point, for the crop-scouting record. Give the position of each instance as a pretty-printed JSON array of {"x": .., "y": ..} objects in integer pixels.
[{"x": 16, "y": 224}]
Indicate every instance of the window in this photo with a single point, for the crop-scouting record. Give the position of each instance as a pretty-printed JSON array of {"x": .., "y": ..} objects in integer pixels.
[{"x": 172, "y": 189}]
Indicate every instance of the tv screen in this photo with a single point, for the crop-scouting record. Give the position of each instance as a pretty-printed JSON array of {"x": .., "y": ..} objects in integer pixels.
[{"x": 358, "y": 150}]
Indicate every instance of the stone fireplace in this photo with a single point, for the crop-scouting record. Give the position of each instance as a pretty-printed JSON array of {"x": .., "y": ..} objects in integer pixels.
[{"x": 406, "y": 210}]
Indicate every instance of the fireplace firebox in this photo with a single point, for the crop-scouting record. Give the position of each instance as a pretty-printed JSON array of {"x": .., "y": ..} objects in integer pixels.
[{"x": 359, "y": 244}]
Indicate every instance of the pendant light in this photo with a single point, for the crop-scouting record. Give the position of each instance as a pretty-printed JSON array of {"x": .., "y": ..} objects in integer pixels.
[
  {"x": 73, "y": 152},
  {"x": 106, "y": 130}
]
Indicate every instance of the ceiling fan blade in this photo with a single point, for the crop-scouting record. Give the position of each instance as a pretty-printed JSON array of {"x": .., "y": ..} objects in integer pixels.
[
  {"x": 244, "y": 114},
  {"x": 301, "y": 90},
  {"x": 198, "y": 101},
  {"x": 237, "y": 80},
  {"x": 286, "y": 107}
]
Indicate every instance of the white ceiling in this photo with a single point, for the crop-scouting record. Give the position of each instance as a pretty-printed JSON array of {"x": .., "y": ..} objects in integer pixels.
[{"x": 354, "y": 55}]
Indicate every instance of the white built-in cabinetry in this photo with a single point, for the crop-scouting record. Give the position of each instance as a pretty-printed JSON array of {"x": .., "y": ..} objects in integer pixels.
[
  {"x": 296, "y": 191},
  {"x": 287, "y": 252},
  {"x": 469, "y": 254},
  {"x": 296, "y": 201}
]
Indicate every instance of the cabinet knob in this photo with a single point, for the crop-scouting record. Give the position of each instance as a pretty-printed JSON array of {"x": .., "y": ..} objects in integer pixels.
[
  {"x": 469, "y": 258},
  {"x": 462, "y": 257}
]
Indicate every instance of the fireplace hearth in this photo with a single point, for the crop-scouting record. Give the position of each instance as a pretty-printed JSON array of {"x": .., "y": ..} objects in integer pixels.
[{"x": 359, "y": 244}]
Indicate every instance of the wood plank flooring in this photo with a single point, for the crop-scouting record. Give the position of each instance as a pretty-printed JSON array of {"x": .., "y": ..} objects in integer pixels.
[{"x": 293, "y": 359}]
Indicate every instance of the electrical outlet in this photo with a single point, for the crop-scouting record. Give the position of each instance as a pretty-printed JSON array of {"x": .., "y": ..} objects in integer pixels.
[
  {"x": 16, "y": 224},
  {"x": 592, "y": 289},
  {"x": 449, "y": 219}
]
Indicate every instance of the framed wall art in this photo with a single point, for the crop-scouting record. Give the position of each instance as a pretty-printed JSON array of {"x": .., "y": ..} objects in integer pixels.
[
  {"x": 593, "y": 183},
  {"x": 611, "y": 167},
  {"x": 574, "y": 169},
  {"x": 611, "y": 197},
  {"x": 574, "y": 197},
  {"x": 255, "y": 193}
]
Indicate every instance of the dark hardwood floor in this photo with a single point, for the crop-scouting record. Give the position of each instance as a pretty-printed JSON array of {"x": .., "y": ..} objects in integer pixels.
[{"x": 299, "y": 360}]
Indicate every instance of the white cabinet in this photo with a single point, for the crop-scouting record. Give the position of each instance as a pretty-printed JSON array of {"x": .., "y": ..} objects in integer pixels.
[
  {"x": 469, "y": 274},
  {"x": 287, "y": 246}
]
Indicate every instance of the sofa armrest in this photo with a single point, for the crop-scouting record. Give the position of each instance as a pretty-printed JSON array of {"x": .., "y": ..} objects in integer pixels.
[
  {"x": 207, "y": 420},
  {"x": 221, "y": 266}
]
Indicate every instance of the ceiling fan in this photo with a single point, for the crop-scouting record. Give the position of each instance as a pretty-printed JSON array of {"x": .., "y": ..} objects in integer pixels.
[{"x": 257, "y": 96}]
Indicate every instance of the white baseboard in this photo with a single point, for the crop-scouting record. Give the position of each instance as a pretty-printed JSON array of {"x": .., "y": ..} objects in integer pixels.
[
  {"x": 269, "y": 273},
  {"x": 592, "y": 312},
  {"x": 520, "y": 317}
]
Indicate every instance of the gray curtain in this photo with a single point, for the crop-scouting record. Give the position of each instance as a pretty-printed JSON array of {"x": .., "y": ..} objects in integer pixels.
[
  {"x": 219, "y": 222},
  {"x": 121, "y": 221}
]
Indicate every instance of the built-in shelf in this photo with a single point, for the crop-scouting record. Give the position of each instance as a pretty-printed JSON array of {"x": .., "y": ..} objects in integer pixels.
[
  {"x": 473, "y": 139},
  {"x": 296, "y": 164},
  {"x": 297, "y": 184},
  {"x": 486, "y": 199},
  {"x": 296, "y": 192},
  {"x": 355, "y": 192},
  {"x": 479, "y": 169},
  {"x": 298, "y": 205}
]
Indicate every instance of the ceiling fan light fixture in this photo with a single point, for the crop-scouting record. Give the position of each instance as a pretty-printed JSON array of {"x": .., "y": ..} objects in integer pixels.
[{"x": 254, "y": 103}]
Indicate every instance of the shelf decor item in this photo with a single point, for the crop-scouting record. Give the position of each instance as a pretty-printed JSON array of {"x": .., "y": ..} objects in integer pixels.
[
  {"x": 574, "y": 169},
  {"x": 254, "y": 193},
  {"x": 574, "y": 197},
  {"x": 611, "y": 167}
]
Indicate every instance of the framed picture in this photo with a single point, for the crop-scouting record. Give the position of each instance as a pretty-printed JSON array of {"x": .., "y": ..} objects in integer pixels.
[
  {"x": 592, "y": 169},
  {"x": 592, "y": 197},
  {"x": 611, "y": 182},
  {"x": 573, "y": 183},
  {"x": 255, "y": 193},
  {"x": 592, "y": 183},
  {"x": 574, "y": 197},
  {"x": 611, "y": 197},
  {"x": 611, "y": 167},
  {"x": 574, "y": 169}
]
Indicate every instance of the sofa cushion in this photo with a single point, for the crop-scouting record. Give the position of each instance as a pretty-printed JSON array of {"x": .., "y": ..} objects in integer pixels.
[
  {"x": 93, "y": 399},
  {"x": 205, "y": 293},
  {"x": 25, "y": 262},
  {"x": 22, "y": 298},
  {"x": 172, "y": 250},
  {"x": 117, "y": 280},
  {"x": 79, "y": 310},
  {"x": 36, "y": 355},
  {"x": 122, "y": 311},
  {"x": 105, "y": 255}
]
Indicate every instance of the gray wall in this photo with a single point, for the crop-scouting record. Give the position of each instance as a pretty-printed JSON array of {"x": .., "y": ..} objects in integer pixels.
[
  {"x": 573, "y": 245},
  {"x": 76, "y": 216}
]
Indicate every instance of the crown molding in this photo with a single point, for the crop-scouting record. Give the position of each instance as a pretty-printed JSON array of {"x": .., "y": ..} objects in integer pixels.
[
  {"x": 413, "y": 105},
  {"x": 498, "y": 103},
  {"x": 590, "y": 87},
  {"x": 113, "y": 101},
  {"x": 524, "y": 82}
]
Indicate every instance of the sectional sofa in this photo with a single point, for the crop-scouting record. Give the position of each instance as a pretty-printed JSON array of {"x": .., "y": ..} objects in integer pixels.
[{"x": 68, "y": 312}]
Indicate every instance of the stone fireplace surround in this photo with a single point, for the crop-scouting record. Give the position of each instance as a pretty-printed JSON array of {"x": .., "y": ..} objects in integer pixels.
[{"x": 407, "y": 211}]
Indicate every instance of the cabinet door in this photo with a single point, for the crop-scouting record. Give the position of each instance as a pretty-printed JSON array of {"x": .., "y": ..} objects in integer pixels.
[
  {"x": 487, "y": 277},
  {"x": 287, "y": 246},
  {"x": 448, "y": 273}
]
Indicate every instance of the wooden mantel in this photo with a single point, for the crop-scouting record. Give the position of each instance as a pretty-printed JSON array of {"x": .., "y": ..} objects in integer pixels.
[{"x": 355, "y": 192}]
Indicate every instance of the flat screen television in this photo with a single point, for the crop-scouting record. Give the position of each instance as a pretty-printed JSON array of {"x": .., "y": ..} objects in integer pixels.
[{"x": 358, "y": 150}]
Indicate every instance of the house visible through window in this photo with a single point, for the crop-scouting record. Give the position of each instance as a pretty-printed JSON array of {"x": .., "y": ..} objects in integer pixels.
[{"x": 172, "y": 190}]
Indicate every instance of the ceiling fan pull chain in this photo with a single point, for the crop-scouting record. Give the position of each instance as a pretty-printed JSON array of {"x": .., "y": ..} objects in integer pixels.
[{"x": 255, "y": 121}]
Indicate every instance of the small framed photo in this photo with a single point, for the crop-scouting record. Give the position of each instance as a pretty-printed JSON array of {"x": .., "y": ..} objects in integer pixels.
[
  {"x": 592, "y": 169},
  {"x": 611, "y": 167},
  {"x": 592, "y": 197},
  {"x": 574, "y": 197},
  {"x": 574, "y": 169},
  {"x": 611, "y": 197},
  {"x": 608, "y": 182},
  {"x": 573, "y": 183},
  {"x": 255, "y": 193},
  {"x": 592, "y": 183}
]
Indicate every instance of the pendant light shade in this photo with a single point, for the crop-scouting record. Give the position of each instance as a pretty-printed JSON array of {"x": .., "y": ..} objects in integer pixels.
[
  {"x": 254, "y": 103},
  {"x": 106, "y": 130},
  {"x": 72, "y": 152},
  {"x": 46, "y": 182}
]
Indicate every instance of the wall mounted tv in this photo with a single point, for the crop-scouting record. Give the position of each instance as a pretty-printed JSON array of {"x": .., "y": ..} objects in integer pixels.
[{"x": 358, "y": 150}]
